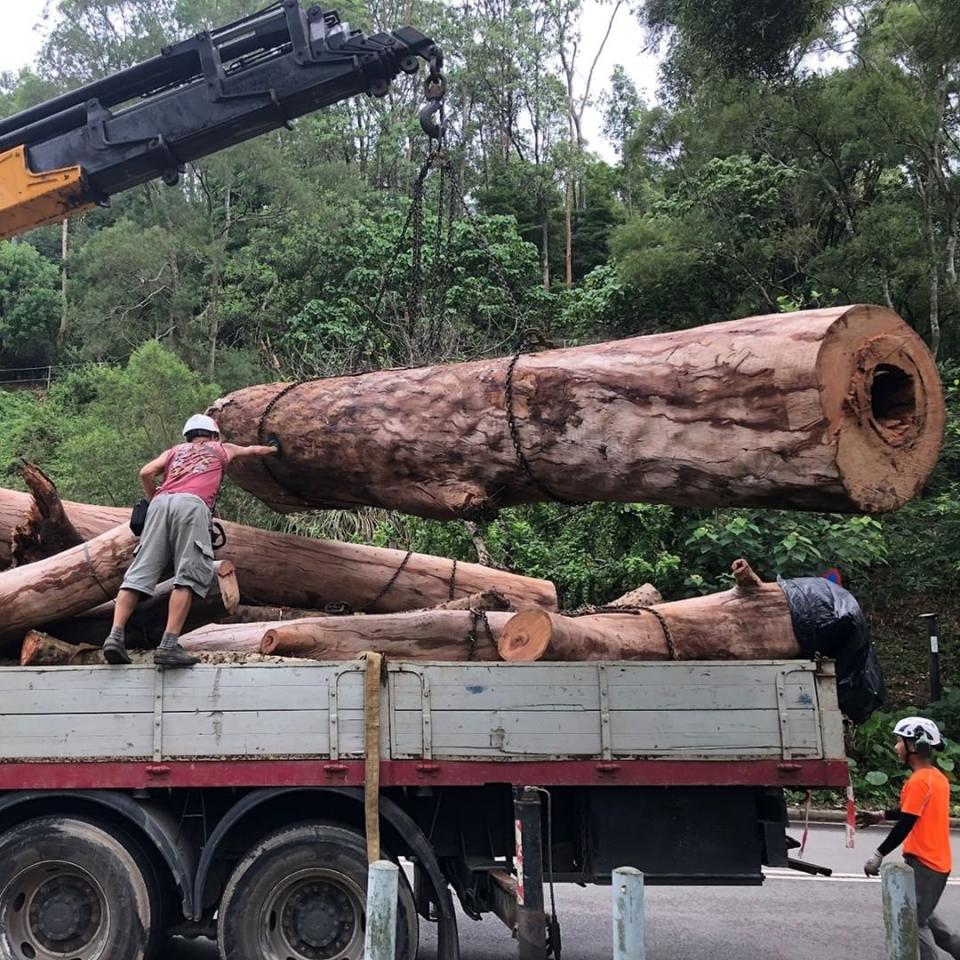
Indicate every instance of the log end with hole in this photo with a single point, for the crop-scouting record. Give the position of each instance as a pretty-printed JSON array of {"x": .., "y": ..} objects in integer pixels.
[
  {"x": 882, "y": 397},
  {"x": 526, "y": 637}
]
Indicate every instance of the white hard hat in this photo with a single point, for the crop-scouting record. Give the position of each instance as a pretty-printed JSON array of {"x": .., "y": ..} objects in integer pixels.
[
  {"x": 919, "y": 729},
  {"x": 200, "y": 421}
]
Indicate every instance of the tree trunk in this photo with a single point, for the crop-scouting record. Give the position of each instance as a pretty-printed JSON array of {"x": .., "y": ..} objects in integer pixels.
[
  {"x": 47, "y": 529},
  {"x": 42, "y": 650},
  {"x": 279, "y": 569},
  {"x": 146, "y": 625},
  {"x": 422, "y": 635},
  {"x": 750, "y": 622},
  {"x": 838, "y": 409},
  {"x": 64, "y": 308},
  {"x": 65, "y": 584}
]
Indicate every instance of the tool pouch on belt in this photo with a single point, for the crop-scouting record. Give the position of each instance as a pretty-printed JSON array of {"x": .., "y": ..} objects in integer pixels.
[{"x": 139, "y": 516}]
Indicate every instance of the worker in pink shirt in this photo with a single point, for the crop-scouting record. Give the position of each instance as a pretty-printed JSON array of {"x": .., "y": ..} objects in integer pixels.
[{"x": 177, "y": 533}]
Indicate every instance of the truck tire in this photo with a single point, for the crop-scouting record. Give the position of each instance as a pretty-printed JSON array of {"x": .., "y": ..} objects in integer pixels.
[
  {"x": 300, "y": 894},
  {"x": 72, "y": 890}
]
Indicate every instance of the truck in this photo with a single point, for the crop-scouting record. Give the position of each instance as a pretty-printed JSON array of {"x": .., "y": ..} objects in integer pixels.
[
  {"x": 240, "y": 800},
  {"x": 243, "y": 801}
]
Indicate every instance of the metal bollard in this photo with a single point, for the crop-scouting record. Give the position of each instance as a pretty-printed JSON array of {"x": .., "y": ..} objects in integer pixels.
[
  {"x": 900, "y": 911},
  {"x": 383, "y": 879},
  {"x": 628, "y": 914}
]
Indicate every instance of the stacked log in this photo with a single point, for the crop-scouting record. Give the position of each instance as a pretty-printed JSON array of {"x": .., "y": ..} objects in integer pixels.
[
  {"x": 838, "y": 409},
  {"x": 751, "y": 621},
  {"x": 277, "y": 569}
]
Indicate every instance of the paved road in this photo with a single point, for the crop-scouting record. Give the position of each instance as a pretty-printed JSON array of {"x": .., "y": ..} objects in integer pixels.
[{"x": 791, "y": 917}]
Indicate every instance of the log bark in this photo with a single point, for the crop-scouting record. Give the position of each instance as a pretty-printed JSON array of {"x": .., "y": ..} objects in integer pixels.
[
  {"x": 46, "y": 529},
  {"x": 643, "y": 596},
  {"x": 246, "y": 613},
  {"x": 421, "y": 635},
  {"x": 749, "y": 622},
  {"x": 488, "y": 600},
  {"x": 278, "y": 569},
  {"x": 146, "y": 625},
  {"x": 65, "y": 584},
  {"x": 838, "y": 409},
  {"x": 41, "y": 650}
]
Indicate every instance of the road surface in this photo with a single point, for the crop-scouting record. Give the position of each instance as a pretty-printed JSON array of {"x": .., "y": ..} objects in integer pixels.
[{"x": 791, "y": 917}]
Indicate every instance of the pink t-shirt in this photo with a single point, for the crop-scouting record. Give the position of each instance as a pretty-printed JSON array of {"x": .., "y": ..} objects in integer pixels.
[{"x": 195, "y": 468}]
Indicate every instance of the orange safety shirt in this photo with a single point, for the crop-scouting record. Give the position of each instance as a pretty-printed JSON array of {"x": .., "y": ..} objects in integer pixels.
[{"x": 926, "y": 795}]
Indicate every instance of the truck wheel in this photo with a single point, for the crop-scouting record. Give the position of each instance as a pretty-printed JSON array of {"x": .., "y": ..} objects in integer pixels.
[
  {"x": 70, "y": 890},
  {"x": 300, "y": 894}
]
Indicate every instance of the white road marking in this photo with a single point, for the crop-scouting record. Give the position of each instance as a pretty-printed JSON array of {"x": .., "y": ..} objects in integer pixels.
[{"x": 785, "y": 873}]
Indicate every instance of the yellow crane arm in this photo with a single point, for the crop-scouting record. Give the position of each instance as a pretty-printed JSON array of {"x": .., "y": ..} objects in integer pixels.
[{"x": 29, "y": 199}]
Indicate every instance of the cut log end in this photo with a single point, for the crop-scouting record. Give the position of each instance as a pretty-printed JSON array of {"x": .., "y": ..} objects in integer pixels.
[
  {"x": 883, "y": 399},
  {"x": 526, "y": 637}
]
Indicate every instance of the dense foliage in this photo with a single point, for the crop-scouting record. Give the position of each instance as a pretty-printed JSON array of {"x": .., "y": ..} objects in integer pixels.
[{"x": 799, "y": 155}]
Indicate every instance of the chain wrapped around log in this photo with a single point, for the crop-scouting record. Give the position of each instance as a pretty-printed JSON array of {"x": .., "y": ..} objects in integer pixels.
[{"x": 839, "y": 409}]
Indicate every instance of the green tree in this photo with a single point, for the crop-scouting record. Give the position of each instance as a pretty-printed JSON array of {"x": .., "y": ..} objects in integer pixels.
[{"x": 29, "y": 306}]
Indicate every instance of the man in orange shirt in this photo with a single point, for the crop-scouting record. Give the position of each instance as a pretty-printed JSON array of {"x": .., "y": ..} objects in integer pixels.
[{"x": 923, "y": 827}]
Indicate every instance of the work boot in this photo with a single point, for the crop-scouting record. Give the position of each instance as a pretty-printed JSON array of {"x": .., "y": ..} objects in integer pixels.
[
  {"x": 114, "y": 649},
  {"x": 174, "y": 656}
]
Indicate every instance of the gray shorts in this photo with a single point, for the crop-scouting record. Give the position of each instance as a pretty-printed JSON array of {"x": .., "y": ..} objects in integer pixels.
[{"x": 176, "y": 534}]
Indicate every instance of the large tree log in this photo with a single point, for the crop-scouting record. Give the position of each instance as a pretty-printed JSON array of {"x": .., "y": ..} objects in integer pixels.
[
  {"x": 749, "y": 622},
  {"x": 65, "y": 584},
  {"x": 285, "y": 570},
  {"x": 838, "y": 409},
  {"x": 421, "y": 635},
  {"x": 42, "y": 650},
  {"x": 146, "y": 625},
  {"x": 47, "y": 529}
]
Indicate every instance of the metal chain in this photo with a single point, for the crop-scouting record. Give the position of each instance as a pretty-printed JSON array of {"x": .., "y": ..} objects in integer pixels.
[
  {"x": 589, "y": 609},
  {"x": 453, "y": 578},
  {"x": 478, "y": 616},
  {"x": 515, "y": 437},
  {"x": 390, "y": 582}
]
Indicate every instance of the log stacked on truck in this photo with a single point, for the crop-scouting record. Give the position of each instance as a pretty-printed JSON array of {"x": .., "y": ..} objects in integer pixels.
[
  {"x": 68, "y": 594},
  {"x": 838, "y": 409}
]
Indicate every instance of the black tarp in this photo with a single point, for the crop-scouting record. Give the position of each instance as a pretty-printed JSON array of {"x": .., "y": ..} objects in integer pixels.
[{"x": 828, "y": 622}]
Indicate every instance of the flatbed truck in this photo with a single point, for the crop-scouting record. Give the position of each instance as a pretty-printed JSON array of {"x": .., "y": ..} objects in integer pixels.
[{"x": 236, "y": 800}]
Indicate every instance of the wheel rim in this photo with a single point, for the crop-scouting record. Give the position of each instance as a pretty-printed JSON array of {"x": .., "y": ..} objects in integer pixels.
[
  {"x": 54, "y": 910},
  {"x": 315, "y": 914}
]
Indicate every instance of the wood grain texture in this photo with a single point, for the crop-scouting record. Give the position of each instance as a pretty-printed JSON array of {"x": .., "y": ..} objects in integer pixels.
[
  {"x": 278, "y": 569},
  {"x": 420, "y": 635},
  {"x": 64, "y": 584},
  {"x": 838, "y": 409}
]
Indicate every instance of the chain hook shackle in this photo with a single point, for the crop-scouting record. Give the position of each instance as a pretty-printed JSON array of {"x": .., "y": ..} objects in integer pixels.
[{"x": 432, "y": 120}]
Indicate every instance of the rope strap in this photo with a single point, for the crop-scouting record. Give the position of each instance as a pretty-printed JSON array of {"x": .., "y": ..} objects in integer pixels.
[{"x": 371, "y": 737}]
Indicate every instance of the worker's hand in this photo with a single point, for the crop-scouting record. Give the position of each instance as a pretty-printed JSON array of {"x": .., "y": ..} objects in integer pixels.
[
  {"x": 872, "y": 867},
  {"x": 869, "y": 818},
  {"x": 274, "y": 441}
]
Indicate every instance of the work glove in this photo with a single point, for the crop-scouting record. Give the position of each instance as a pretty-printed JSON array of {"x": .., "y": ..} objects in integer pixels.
[
  {"x": 872, "y": 867},
  {"x": 869, "y": 818},
  {"x": 274, "y": 441}
]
